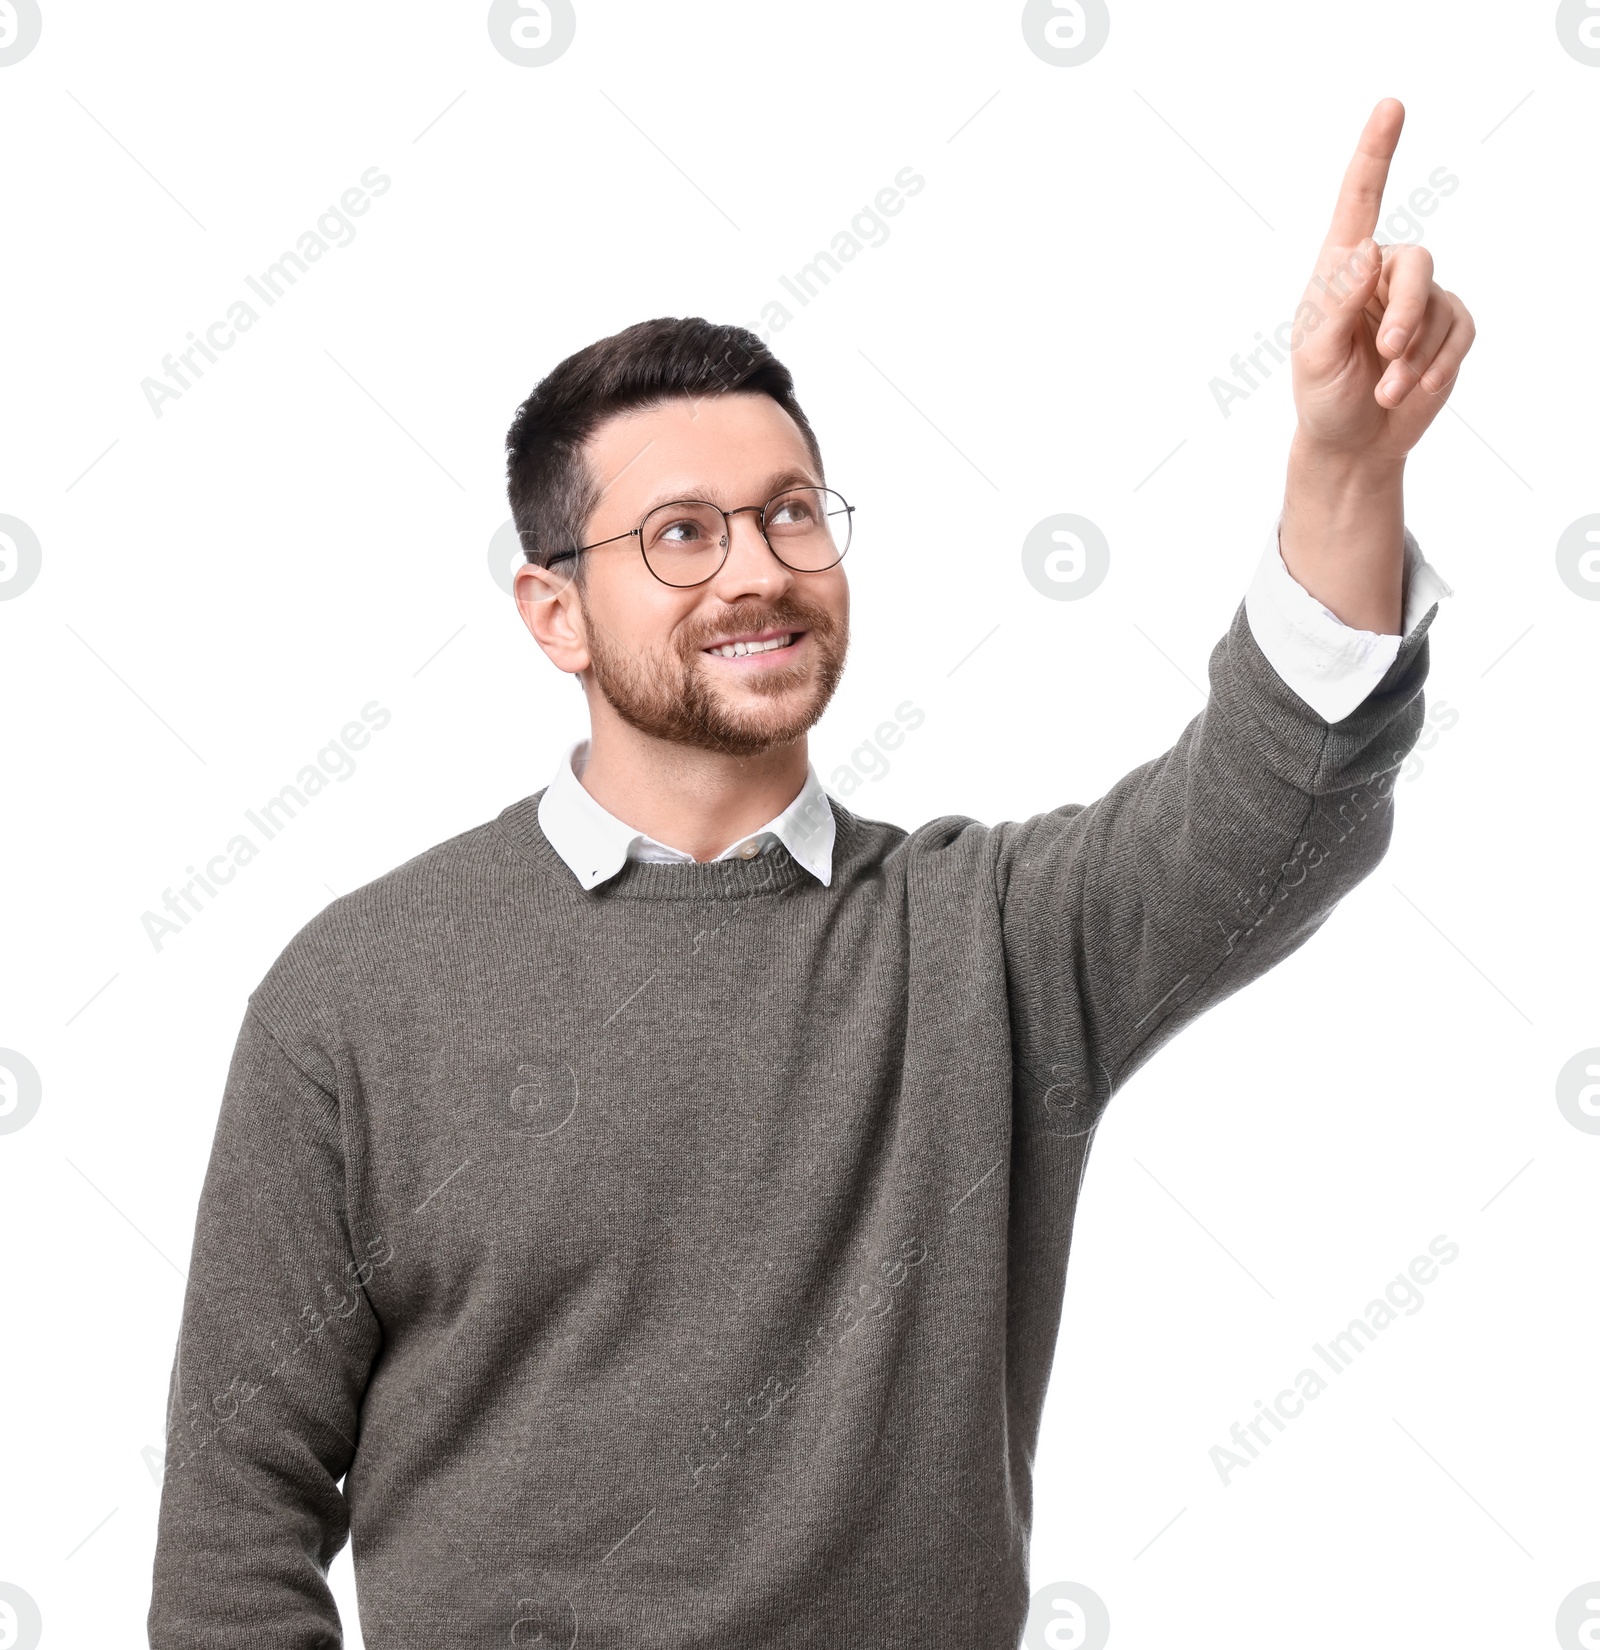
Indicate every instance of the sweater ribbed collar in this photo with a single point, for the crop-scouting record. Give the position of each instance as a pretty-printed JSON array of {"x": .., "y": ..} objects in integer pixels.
[{"x": 772, "y": 872}]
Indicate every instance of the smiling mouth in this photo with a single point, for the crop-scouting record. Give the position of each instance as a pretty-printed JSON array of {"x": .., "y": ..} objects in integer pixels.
[{"x": 775, "y": 647}]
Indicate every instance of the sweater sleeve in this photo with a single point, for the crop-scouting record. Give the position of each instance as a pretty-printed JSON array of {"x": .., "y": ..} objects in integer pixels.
[
  {"x": 276, "y": 1341},
  {"x": 1125, "y": 919}
]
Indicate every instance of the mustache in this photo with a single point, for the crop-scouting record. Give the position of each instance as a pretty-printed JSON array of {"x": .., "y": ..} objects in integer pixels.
[{"x": 787, "y": 615}]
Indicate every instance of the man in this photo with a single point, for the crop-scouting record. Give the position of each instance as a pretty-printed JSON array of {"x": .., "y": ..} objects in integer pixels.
[{"x": 653, "y": 1204}]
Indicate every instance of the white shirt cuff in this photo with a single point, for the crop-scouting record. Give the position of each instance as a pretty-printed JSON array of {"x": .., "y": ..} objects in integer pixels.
[{"x": 1330, "y": 665}]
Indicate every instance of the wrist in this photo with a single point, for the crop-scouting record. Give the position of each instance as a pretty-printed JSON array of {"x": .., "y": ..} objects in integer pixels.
[
  {"x": 1343, "y": 533},
  {"x": 1357, "y": 471}
]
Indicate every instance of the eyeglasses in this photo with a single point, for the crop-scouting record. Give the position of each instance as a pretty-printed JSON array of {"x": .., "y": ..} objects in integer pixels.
[{"x": 686, "y": 542}]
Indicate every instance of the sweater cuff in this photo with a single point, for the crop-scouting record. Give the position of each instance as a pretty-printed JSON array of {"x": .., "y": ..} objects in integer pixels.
[{"x": 1332, "y": 666}]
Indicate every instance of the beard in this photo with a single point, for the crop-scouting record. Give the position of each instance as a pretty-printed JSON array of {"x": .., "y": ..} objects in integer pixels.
[{"x": 672, "y": 696}]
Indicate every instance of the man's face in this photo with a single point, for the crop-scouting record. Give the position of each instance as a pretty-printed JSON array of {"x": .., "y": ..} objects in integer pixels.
[{"x": 646, "y": 641}]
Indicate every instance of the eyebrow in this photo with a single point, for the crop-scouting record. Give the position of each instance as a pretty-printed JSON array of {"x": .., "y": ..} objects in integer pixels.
[{"x": 775, "y": 484}]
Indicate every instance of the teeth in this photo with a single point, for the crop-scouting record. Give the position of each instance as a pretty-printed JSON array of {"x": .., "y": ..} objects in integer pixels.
[{"x": 737, "y": 650}]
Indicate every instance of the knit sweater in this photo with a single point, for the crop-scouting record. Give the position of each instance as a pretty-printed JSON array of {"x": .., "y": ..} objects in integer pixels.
[{"x": 680, "y": 1263}]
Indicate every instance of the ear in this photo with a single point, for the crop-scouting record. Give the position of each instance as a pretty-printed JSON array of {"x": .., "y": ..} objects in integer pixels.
[{"x": 548, "y": 603}]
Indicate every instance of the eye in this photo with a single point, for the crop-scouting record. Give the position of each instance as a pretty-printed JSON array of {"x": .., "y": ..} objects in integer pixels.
[
  {"x": 683, "y": 525},
  {"x": 685, "y": 530}
]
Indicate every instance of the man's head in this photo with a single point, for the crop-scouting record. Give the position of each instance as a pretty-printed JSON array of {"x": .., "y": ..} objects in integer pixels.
[{"x": 670, "y": 410}]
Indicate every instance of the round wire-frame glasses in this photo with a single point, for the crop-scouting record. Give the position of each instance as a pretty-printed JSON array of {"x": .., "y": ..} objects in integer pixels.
[{"x": 809, "y": 537}]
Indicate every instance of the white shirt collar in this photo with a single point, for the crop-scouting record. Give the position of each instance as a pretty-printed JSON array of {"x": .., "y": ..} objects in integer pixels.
[{"x": 596, "y": 844}]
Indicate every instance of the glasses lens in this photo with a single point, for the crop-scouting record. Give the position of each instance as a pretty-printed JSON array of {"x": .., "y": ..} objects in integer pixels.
[
  {"x": 684, "y": 543},
  {"x": 808, "y": 528}
]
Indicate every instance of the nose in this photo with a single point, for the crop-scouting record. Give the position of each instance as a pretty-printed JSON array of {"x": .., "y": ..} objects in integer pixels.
[{"x": 751, "y": 565}]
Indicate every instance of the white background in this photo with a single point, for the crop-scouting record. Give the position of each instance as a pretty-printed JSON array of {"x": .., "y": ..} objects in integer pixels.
[{"x": 306, "y": 530}]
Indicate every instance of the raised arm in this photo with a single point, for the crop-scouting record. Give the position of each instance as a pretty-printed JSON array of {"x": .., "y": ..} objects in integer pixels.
[
  {"x": 1195, "y": 873},
  {"x": 277, "y": 1339}
]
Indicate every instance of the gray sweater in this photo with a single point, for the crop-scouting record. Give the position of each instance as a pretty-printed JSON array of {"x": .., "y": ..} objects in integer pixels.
[{"x": 679, "y": 1264}]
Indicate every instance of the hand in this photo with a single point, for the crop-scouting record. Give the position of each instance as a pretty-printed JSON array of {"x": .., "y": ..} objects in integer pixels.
[{"x": 1371, "y": 376}]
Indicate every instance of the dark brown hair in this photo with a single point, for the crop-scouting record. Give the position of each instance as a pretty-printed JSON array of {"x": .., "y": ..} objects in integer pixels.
[{"x": 551, "y": 489}]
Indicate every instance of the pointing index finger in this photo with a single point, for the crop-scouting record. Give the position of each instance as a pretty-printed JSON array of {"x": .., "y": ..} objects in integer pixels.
[{"x": 1355, "y": 213}]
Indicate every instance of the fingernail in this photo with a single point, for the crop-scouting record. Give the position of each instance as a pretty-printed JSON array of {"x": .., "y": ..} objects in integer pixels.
[{"x": 1395, "y": 339}]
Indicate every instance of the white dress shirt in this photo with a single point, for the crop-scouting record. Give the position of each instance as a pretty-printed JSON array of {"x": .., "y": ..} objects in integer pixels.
[
  {"x": 1330, "y": 665},
  {"x": 595, "y": 843}
]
